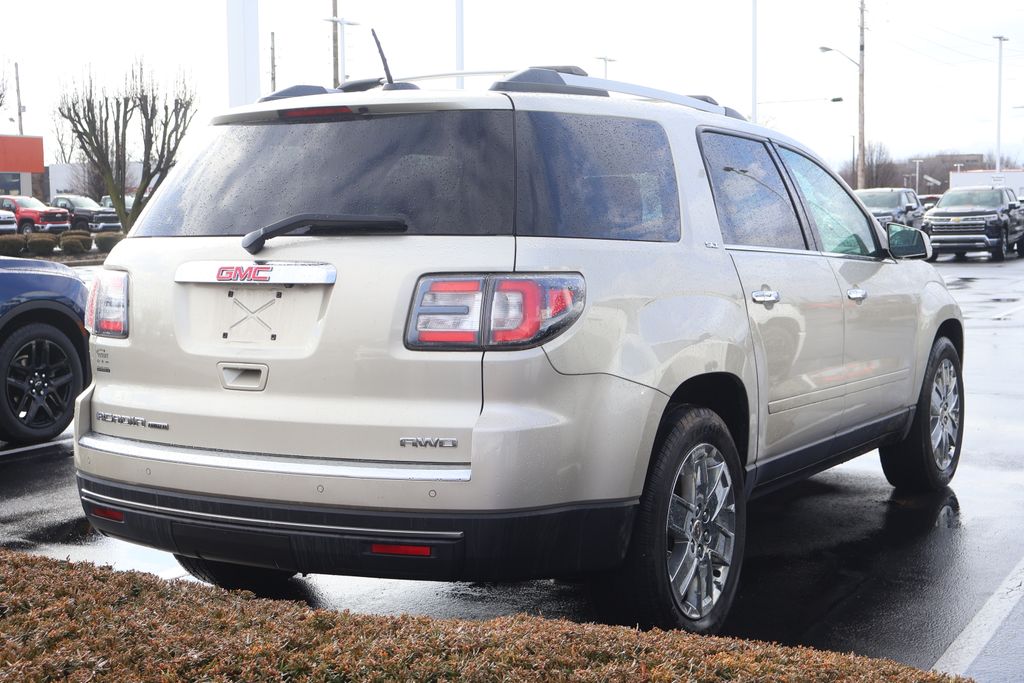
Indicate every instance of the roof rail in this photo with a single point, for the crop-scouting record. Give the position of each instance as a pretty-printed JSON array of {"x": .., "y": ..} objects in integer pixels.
[{"x": 568, "y": 80}]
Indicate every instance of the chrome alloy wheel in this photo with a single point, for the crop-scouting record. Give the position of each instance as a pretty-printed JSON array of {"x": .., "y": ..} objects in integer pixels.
[
  {"x": 701, "y": 530},
  {"x": 945, "y": 414}
]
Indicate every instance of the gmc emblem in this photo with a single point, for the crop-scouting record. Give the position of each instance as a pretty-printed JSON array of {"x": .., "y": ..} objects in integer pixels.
[
  {"x": 244, "y": 273},
  {"x": 418, "y": 442}
]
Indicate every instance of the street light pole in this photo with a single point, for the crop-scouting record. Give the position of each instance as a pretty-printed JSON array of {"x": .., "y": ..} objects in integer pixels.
[
  {"x": 753, "y": 61},
  {"x": 17, "y": 94},
  {"x": 606, "y": 60},
  {"x": 861, "y": 145},
  {"x": 999, "y": 106},
  {"x": 860, "y": 105},
  {"x": 460, "y": 64},
  {"x": 917, "y": 174},
  {"x": 339, "y": 44},
  {"x": 334, "y": 40}
]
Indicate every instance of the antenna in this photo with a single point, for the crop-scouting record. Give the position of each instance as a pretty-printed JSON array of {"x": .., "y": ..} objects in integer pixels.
[{"x": 387, "y": 71}]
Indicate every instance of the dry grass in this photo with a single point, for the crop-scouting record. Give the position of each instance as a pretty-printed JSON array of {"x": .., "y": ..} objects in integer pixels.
[{"x": 63, "y": 621}]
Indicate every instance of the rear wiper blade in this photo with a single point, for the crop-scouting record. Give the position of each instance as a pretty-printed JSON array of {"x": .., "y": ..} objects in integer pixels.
[{"x": 253, "y": 242}]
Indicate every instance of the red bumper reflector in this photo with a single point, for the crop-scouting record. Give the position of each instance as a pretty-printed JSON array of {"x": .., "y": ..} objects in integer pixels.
[
  {"x": 388, "y": 549},
  {"x": 108, "y": 513}
]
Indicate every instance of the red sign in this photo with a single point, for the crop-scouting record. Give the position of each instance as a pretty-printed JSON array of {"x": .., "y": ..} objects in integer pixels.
[{"x": 244, "y": 273}]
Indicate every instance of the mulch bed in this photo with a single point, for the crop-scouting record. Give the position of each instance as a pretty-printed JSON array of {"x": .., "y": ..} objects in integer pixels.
[{"x": 62, "y": 621}]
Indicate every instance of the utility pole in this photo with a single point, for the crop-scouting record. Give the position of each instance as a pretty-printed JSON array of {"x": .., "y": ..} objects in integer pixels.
[
  {"x": 917, "y": 174},
  {"x": 17, "y": 95},
  {"x": 273, "y": 65},
  {"x": 753, "y": 61},
  {"x": 860, "y": 105},
  {"x": 460, "y": 62},
  {"x": 999, "y": 106},
  {"x": 334, "y": 40}
]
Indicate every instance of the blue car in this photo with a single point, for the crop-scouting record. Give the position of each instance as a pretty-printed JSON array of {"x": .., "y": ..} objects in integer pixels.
[{"x": 43, "y": 348}]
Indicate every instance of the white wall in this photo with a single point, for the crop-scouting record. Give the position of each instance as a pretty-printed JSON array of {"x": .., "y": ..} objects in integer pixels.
[{"x": 1011, "y": 179}]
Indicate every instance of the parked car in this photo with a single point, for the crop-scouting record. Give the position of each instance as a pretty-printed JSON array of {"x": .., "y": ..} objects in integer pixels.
[
  {"x": 519, "y": 333},
  {"x": 34, "y": 216},
  {"x": 893, "y": 205},
  {"x": 86, "y": 214},
  {"x": 8, "y": 223},
  {"x": 43, "y": 348},
  {"x": 977, "y": 218},
  {"x": 929, "y": 200},
  {"x": 107, "y": 202}
]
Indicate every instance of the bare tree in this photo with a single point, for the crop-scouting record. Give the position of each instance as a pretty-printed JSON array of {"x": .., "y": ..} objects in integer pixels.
[
  {"x": 66, "y": 143},
  {"x": 880, "y": 169},
  {"x": 3, "y": 89},
  {"x": 103, "y": 123},
  {"x": 88, "y": 178}
]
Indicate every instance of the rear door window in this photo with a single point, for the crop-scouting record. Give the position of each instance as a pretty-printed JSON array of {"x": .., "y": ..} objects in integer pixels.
[
  {"x": 597, "y": 177},
  {"x": 443, "y": 172},
  {"x": 754, "y": 207}
]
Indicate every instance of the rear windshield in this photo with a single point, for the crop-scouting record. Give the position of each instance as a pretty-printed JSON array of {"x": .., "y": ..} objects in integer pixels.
[
  {"x": 444, "y": 172},
  {"x": 880, "y": 200},
  {"x": 982, "y": 198}
]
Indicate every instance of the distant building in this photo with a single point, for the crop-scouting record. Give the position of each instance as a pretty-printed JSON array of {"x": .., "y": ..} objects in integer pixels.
[
  {"x": 20, "y": 157},
  {"x": 69, "y": 178}
]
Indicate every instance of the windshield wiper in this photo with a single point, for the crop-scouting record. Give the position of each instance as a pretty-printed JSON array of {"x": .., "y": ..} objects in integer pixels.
[{"x": 253, "y": 242}]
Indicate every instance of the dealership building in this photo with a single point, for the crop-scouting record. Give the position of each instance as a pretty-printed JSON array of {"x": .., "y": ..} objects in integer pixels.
[{"x": 20, "y": 157}]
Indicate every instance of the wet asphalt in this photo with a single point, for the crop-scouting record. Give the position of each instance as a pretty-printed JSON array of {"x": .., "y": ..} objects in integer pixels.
[{"x": 837, "y": 562}]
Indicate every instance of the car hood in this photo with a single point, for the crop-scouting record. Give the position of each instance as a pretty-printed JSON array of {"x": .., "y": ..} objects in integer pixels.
[{"x": 964, "y": 211}]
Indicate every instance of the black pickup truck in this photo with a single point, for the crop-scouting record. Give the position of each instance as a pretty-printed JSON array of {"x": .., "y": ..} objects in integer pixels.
[
  {"x": 86, "y": 214},
  {"x": 976, "y": 219}
]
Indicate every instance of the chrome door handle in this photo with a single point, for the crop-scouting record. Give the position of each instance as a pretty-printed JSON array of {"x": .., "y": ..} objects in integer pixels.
[
  {"x": 765, "y": 296},
  {"x": 857, "y": 294}
]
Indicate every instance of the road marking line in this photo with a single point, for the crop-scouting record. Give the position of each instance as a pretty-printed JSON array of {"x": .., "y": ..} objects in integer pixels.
[
  {"x": 962, "y": 652},
  {"x": 26, "y": 449}
]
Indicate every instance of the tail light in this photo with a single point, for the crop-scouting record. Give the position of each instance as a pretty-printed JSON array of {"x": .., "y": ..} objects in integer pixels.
[
  {"x": 106, "y": 314},
  {"x": 469, "y": 312}
]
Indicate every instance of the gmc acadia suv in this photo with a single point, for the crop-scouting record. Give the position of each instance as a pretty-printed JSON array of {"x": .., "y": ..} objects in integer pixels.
[{"x": 535, "y": 331}]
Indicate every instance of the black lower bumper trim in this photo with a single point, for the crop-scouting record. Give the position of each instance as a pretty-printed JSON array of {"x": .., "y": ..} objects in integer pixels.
[{"x": 500, "y": 546}]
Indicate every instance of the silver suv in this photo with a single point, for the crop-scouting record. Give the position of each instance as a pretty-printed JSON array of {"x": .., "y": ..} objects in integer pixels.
[{"x": 537, "y": 331}]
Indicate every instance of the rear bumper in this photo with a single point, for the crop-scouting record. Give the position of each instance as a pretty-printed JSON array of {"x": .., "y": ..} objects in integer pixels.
[{"x": 506, "y": 545}]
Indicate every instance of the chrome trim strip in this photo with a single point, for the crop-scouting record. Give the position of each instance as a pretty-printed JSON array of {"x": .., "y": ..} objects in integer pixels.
[
  {"x": 101, "y": 499},
  {"x": 277, "y": 464},
  {"x": 281, "y": 272}
]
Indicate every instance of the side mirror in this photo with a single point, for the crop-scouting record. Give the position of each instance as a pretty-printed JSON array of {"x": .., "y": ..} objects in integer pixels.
[
  {"x": 1013, "y": 205},
  {"x": 908, "y": 243},
  {"x": 908, "y": 207}
]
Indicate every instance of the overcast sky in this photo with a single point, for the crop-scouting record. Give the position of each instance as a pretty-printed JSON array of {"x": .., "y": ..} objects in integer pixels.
[{"x": 930, "y": 64}]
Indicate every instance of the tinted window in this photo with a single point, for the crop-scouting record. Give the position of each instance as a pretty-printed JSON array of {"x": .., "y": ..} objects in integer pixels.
[
  {"x": 841, "y": 225},
  {"x": 754, "y": 208},
  {"x": 447, "y": 172},
  {"x": 595, "y": 176}
]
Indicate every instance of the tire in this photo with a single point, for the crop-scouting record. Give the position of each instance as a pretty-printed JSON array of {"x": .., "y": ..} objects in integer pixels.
[
  {"x": 1020, "y": 246},
  {"x": 999, "y": 252},
  {"x": 42, "y": 378},
  {"x": 26, "y": 227},
  {"x": 235, "y": 576},
  {"x": 80, "y": 225},
  {"x": 919, "y": 463},
  {"x": 961, "y": 256},
  {"x": 934, "y": 257},
  {"x": 667, "y": 535}
]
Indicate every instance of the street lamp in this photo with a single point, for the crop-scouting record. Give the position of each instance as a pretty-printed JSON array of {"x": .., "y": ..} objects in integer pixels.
[
  {"x": 999, "y": 107},
  {"x": 339, "y": 47},
  {"x": 860, "y": 104},
  {"x": 606, "y": 60},
  {"x": 917, "y": 174}
]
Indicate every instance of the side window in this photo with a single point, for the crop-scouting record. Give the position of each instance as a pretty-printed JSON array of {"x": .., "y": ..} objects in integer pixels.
[
  {"x": 598, "y": 177},
  {"x": 754, "y": 207},
  {"x": 841, "y": 225}
]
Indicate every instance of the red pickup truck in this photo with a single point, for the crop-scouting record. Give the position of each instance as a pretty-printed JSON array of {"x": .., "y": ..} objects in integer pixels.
[{"x": 34, "y": 216}]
